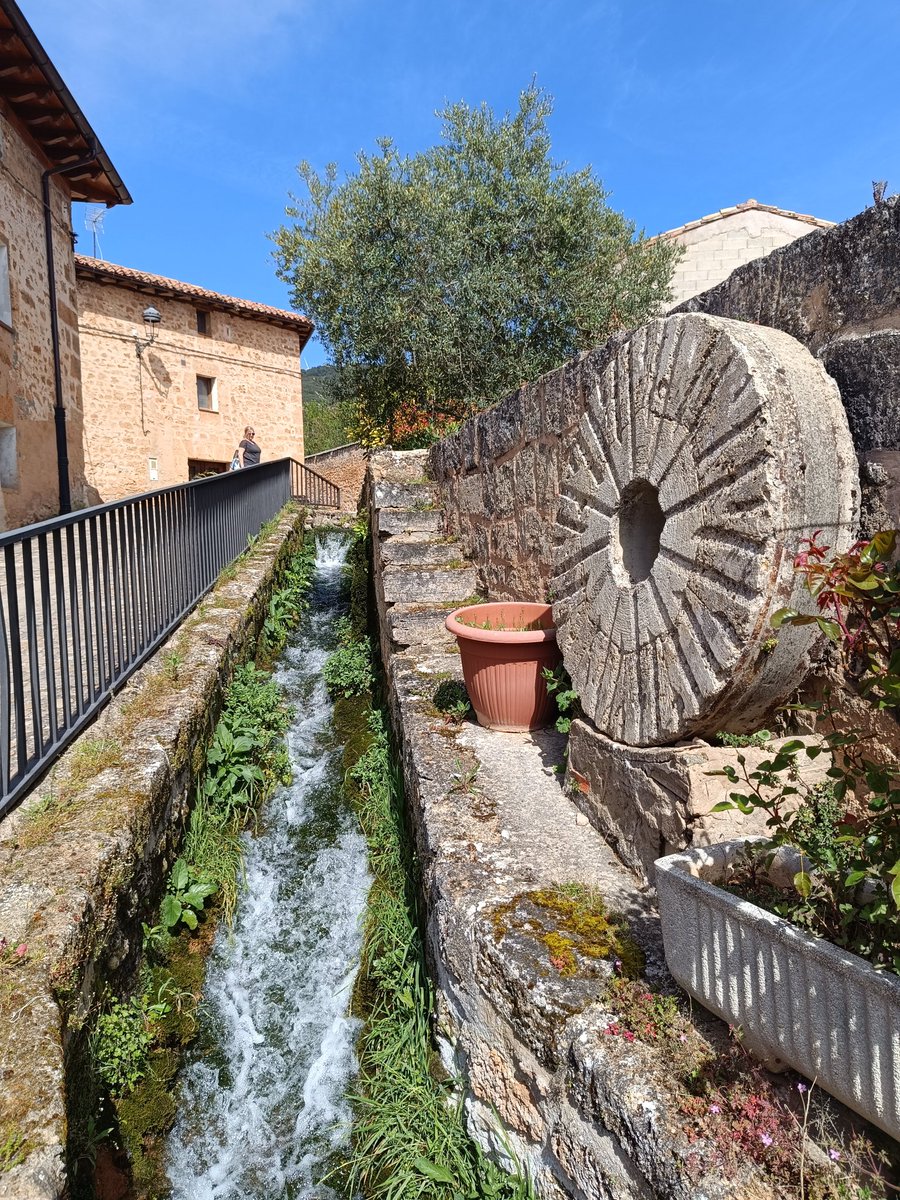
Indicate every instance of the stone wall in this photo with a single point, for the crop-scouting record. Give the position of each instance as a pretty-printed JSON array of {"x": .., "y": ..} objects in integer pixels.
[
  {"x": 29, "y": 488},
  {"x": 83, "y": 860},
  {"x": 345, "y": 467},
  {"x": 143, "y": 424}
]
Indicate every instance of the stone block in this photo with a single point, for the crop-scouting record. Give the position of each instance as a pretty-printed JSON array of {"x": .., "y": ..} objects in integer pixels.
[
  {"x": 652, "y": 801},
  {"x": 867, "y": 371},
  {"x": 422, "y": 586},
  {"x": 404, "y": 495},
  {"x": 389, "y": 521},
  {"x": 410, "y": 551}
]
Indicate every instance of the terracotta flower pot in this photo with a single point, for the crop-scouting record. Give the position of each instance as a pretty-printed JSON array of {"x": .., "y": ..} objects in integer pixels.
[{"x": 504, "y": 646}]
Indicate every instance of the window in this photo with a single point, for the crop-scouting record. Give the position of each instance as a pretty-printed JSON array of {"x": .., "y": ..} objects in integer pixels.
[
  {"x": 206, "y": 394},
  {"x": 199, "y": 468},
  {"x": 5, "y": 297},
  {"x": 204, "y": 322}
]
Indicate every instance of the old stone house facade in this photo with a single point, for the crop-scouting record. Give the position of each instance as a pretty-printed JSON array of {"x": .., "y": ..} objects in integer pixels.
[
  {"x": 49, "y": 156},
  {"x": 167, "y": 401},
  {"x": 718, "y": 244}
]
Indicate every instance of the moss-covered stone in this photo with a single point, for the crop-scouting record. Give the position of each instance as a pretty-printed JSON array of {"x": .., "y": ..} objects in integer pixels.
[{"x": 573, "y": 923}]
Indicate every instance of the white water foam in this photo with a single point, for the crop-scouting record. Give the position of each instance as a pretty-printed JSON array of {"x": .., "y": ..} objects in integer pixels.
[{"x": 263, "y": 1110}]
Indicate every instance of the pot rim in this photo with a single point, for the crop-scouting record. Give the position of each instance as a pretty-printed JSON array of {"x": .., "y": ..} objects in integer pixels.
[{"x": 501, "y": 636}]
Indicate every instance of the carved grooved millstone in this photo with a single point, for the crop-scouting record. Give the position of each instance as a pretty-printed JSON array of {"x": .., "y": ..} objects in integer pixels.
[{"x": 709, "y": 448}]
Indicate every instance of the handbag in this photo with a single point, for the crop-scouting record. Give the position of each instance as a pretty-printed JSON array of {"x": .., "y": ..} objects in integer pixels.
[{"x": 235, "y": 462}]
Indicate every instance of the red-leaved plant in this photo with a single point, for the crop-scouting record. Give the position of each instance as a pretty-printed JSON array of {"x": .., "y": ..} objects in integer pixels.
[{"x": 848, "y": 832}]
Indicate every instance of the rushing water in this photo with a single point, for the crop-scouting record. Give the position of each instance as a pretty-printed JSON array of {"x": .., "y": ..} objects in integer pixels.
[{"x": 262, "y": 1105}]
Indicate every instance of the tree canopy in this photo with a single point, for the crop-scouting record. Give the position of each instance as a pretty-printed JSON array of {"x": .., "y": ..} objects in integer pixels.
[{"x": 440, "y": 281}]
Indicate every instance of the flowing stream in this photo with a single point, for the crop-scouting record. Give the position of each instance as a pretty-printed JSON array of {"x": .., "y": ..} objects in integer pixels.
[{"x": 262, "y": 1105}]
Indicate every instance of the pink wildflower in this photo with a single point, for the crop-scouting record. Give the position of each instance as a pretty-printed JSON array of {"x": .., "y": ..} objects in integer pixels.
[
  {"x": 715, "y": 1108},
  {"x": 628, "y": 1035},
  {"x": 834, "y": 1155},
  {"x": 766, "y": 1139}
]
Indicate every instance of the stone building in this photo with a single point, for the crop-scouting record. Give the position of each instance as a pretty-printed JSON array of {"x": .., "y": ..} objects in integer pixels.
[
  {"x": 716, "y": 245},
  {"x": 167, "y": 401},
  {"x": 49, "y": 156}
]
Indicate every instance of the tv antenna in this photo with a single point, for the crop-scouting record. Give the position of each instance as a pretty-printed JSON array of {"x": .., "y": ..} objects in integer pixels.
[{"x": 93, "y": 221}]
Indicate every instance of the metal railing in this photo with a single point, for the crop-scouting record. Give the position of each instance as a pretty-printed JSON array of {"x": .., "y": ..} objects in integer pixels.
[
  {"x": 86, "y": 598},
  {"x": 309, "y": 487}
]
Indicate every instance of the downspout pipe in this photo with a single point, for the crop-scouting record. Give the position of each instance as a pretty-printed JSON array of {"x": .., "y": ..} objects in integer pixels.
[{"x": 59, "y": 410}]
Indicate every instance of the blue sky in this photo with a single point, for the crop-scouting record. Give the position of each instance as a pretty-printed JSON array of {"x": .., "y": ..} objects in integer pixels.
[{"x": 205, "y": 106}]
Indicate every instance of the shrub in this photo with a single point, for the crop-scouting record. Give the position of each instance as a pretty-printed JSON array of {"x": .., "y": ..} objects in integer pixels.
[
  {"x": 348, "y": 671},
  {"x": 848, "y": 887}
]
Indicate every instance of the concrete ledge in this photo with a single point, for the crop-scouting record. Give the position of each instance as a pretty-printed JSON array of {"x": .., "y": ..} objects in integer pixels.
[{"x": 83, "y": 860}]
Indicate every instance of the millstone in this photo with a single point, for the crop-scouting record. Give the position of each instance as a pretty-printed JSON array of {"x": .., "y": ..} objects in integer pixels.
[{"x": 708, "y": 450}]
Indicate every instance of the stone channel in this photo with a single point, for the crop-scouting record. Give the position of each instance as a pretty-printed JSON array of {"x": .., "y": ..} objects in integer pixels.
[{"x": 262, "y": 1104}]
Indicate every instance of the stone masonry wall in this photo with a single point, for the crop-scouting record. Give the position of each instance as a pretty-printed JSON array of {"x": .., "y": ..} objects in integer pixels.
[
  {"x": 143, "y": 409},
  {"x": 347, "y": 469},
  {"x": 28, "y": 472},
  {"x": 837, "y": 292}
]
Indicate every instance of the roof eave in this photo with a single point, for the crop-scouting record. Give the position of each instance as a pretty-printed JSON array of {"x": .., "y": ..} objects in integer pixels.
[{"x": 42, "y": 61}]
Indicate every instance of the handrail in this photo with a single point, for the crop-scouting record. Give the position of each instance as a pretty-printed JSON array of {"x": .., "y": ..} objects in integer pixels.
[
  {"x": 309, "y": 487},
  {"x": 87, "y": 597}
]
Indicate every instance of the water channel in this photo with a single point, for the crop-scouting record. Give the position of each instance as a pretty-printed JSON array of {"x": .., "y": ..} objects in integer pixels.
[{"x": 263, "y": 1103}]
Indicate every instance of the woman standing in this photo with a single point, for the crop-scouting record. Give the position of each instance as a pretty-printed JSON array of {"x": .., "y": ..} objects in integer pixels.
[{"x": 248, "y": 451}]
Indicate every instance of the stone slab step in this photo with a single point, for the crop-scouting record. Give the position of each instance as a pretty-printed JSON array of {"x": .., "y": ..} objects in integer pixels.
[
  {"x": 390, "y": 521},
  {"x": 413, "y": 552},
  {"x": 405, "y": 495},
  {"x": 423, "y": 586},
  {"x": 411, "y": 625}
]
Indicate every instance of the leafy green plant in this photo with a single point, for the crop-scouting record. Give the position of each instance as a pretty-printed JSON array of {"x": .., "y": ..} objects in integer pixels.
[
  {"x": 188, "y": 892},
  {"x": 848, "y": 886},
  {"x": 559, "y": 686},
  {"x": 120, "y": 1045},
  {"x": 452, "y": 699},
  {"x": 13, "y": 1149},
  {"x": 759, "y": 740},
  {"x": 348, "y": 671}
]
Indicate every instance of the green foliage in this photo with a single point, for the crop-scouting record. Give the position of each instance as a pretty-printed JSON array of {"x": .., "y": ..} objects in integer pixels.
[
  {"x": 13, "y": 1148},
  {"x": 326, "y": 425},
  {"x": 288, "y": 601},
  {"x": 559, "y": 686},
  {"x": 759, "y": 740},
  {"x": 348, "y": 671},
  {"x": 848, "y": 888},
  {"x": 120, "y": 1044},
  {"x": 452, "y": 699},
  {"x": 409, "y": 1139},
  {"x": 439, "y": 281},
  {"x": 186, "y": 895}
]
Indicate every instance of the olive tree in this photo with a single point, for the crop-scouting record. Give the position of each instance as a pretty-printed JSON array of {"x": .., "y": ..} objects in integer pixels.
[{"x": 441, "y": 280}]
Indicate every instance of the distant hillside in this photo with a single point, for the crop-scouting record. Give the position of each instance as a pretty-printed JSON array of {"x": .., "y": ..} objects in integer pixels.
[
  {"x": 324, "y": 421},
  {"x": 315, "y": 383}
]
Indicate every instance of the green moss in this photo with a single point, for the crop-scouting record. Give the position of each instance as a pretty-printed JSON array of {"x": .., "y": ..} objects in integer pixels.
[
  {"x": 14, "y": 1148},
  {"x": 145, "y": 1116},
  {"x": 581, "y": 928}
]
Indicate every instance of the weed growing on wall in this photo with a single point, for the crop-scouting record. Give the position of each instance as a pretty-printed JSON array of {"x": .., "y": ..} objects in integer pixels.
[{"x": 409, "y": 1136}]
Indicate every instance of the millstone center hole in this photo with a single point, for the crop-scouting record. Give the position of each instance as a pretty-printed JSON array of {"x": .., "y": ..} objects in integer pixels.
[{"x": 639, "y": 524}]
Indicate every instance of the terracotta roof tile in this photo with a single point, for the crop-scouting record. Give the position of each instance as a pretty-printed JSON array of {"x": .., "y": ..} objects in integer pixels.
[
  {"x": 106, "y": 272},
  {"x": 818, "y": 222}
]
